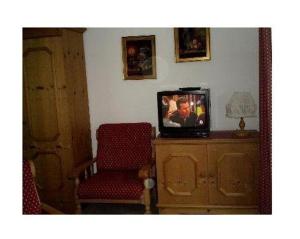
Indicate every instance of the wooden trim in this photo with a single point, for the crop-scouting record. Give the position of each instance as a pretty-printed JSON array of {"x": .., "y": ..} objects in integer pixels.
[
  {"x": 79, "y": 30},
  {"x": 51, "y": 210},
  {"x": 29, "y": 33},
  {"x": 205, "y": 206},
  {"x": 111, "y": 201},
  {"x": 211, "y": 211},
  {"x": 215, "y": 137},
  {"x": 79, "y": 169},
  {"x": 206, "y": 209},
  {"x": 32, "y": 168}
]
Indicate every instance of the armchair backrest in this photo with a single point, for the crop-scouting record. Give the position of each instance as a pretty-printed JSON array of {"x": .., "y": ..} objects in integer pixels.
[{"x": 123, "y": 146}]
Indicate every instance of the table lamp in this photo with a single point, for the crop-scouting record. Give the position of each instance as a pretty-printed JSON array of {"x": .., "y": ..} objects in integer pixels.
[{"x": 241, "y": 105}]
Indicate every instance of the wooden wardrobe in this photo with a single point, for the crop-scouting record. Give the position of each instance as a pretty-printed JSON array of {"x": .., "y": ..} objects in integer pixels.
[{"x": 56, "y": 123}]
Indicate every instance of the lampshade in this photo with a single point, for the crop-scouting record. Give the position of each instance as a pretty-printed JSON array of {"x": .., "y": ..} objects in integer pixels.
[{"x": 241, "y": 104}]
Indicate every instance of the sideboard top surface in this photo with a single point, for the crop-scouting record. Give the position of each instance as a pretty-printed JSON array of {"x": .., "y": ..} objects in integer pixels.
[{"x": 225, "y": 136}]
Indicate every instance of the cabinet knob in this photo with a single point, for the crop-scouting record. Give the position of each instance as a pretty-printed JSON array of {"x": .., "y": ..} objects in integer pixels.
[
  {"x": 40, "y": 87},
  {"x": 202, "y": 179},
  {"x": 212, "y": 179}
]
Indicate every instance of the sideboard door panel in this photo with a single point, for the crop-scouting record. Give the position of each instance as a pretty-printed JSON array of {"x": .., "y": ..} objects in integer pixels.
[
  {"x": 232, "y": 175},
  {"x": 182, "y": 174}
]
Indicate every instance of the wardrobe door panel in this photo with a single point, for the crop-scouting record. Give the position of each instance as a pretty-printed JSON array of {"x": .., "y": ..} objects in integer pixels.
[
  {"x": 46, "y": 123},
  {"x": 39, "y": 76}
]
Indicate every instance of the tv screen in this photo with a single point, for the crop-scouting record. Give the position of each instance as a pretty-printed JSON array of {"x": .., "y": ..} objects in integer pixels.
[{"x": 183, "y": 113}]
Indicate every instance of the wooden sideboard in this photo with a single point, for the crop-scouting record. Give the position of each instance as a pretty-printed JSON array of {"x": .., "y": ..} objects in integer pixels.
[{"x": 214, "y": 175}]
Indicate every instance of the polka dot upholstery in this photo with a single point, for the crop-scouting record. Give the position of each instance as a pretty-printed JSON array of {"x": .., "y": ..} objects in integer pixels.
[
  {"x": 124, "y": 146},
  {"x": 122, "y": 150},
  {"x": 112, "y": 185},
  {"x": 31, "y": 201},
  {"x": 265, "y": 100}
]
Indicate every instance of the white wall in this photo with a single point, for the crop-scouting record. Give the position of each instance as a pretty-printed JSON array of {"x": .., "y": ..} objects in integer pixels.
[{"x": 233, "y": 67}]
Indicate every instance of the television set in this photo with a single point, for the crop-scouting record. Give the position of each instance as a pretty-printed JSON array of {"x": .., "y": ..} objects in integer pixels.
[{"x": 184, "y": 112}]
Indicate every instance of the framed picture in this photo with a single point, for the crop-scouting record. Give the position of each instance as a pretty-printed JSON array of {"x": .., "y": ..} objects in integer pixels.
[
  {"x": 139, "y": 57},
  {"x": 192, "y": 44}
]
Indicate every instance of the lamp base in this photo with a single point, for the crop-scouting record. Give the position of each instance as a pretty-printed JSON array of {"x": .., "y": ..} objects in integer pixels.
[{"x": 241, "y": 133}]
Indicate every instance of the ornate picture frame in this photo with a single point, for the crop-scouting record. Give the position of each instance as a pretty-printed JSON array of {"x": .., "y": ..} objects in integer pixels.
[
  {"x": 139, "y": 57},
  {"x": 192, "y": 44}
]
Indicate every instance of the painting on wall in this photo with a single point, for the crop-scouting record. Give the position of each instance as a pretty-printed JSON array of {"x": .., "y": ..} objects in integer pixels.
[
  {"x": 139, "y": 57},
  {"x": 192, "y": 44}
]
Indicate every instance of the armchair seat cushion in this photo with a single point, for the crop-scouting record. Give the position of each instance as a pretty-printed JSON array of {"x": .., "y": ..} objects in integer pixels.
[{"x": 112, "y": 184}]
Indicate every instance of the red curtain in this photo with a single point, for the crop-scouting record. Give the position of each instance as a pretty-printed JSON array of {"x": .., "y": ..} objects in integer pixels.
[{"x": 265, "y": 104}]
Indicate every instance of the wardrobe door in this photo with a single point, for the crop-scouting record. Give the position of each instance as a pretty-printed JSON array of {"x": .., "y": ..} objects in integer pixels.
[{"x": 46, "y": 127}]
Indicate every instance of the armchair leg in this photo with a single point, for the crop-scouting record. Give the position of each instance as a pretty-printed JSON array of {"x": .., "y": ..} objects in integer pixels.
[
  {"x": 78, "y": 205},
  {"x": 78, "y": 208},
  {"x": 147, "y": 209},
  {"x": 147, "y": 201}
]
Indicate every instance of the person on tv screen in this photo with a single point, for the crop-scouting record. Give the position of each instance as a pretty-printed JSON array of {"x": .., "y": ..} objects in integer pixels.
[
  {"x": 170, "y": 100},
  {"x": 183, "y": 115},
  {"x": 166, "y": 121}
]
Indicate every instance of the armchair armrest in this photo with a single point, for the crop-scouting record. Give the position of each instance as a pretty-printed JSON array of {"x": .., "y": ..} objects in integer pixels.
[
  {"x": 146, "y": 174},
  {"x": 145, "y": 171},
  {"x": 50, "y": 210},
  {"x": 79, "y": 169}
]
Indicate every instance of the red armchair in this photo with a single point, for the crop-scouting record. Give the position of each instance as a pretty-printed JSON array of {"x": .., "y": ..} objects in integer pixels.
[
  {"x": 31, "y": 200},
  {"x": 124, "y": 162}
]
